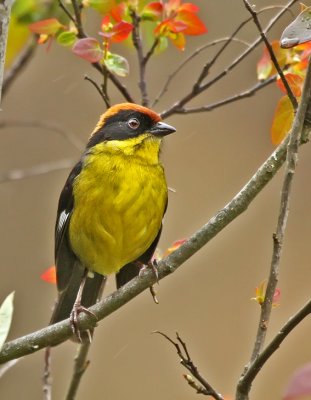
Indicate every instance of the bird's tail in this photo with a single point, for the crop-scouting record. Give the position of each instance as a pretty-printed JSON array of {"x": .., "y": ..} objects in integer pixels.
[{"x": 91, "y": 293}]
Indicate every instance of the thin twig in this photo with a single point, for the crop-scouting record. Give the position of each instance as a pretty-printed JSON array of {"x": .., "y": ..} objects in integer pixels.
[
  {"x": 18, "y": 65},
  {"x": 5, "y": 12},
  {"x": 272, "y": 55},
  {"x": 80, "y": 365},
  {"x": 71, "y": 138},
  {"x": 186, "y": 361},
  {"x": 247, "y": 93},
  {"x": 47, "y": 387},
  {"x": 40, "y": 169},
  {"x": 141, "y": 59},
  {"x": 81, "y": 34},
  {"x": 101, "y": 93},
  {"x": 278, "y": 237},
  {"x": 178, "y": 106},
  {"x": 151, "y": 51},
  {"x": 255, "y": 367},
  {"x": 199, "y": 50},
  {"x": 66, "y": 11},
  {"x": 57, "y": 333}
]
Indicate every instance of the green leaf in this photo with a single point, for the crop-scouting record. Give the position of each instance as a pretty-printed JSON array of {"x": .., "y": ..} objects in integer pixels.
[
  {"x": 66, "y": 38},
  {"x": 162, "y": 45},
  {"x": 117, "y": 64},
  {"x": 6, "y": 313},
  {"x": 101, "y": 6}
]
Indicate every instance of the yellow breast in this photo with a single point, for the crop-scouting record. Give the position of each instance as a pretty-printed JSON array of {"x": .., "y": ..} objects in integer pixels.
[{"x": 119, "y": 201}]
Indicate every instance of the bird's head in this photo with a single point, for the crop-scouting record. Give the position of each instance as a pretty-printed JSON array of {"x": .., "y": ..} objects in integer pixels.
[{"x": 128, "y": 121}]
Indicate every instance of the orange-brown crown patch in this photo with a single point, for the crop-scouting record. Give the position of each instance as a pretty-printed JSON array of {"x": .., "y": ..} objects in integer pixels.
[{"x": 125, "y": 106}]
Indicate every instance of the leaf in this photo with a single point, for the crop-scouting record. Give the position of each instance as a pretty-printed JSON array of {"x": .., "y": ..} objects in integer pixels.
[
  {"x": 66, "y": 38},
  {"x": 194, "y": 25},
  {"x": 121, "y": 31},
  {"x": 265, "y": 67},
  {"x": 117, "y": 64},
  {"x": 89, "y": 49},
  {"x": 299, "y": 31},
  {"x": 282, "y": 120},
  {"x": 101, "y": 6},
  {"x": 295, "y": 82},
  {"x": 299, "y": 384},
  {"x": 6, "y": 314},
  {"x": 152, "y": 11},
  {"x": 46, "y": 27},
  {"x": 49, "y": 275}
]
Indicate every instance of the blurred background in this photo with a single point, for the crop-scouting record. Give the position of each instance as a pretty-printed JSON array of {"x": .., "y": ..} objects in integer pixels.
[{"x": 207, "y": 162}]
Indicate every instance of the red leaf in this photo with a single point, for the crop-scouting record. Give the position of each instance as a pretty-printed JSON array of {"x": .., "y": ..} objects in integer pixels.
[
  {"x": 194, "y": 25},
  {"x": 89, "y": 49},
  {"x": 152, "y": 11},
  {"x": 117, "y": 13},
  {"x": 295, "y": 82},
  {"x": 121, "y": 31},
  {"x": 299, "y": 384},
  {"x": 49, "y": 275},
  {"x": 46, "y": 27}
]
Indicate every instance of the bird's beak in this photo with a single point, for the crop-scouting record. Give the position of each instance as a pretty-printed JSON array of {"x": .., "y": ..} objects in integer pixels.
[{"x": 161, "y": 129}]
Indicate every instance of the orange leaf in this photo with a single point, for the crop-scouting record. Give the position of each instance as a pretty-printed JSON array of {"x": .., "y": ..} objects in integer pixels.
[
  {"x": 194, "y": 26},
  {"x": 46, "y": 27},
  {"x": 152, "y": 11},
  {"x": 49, "y": 275},
  {"x": 282, "y": 120},
  {"x": 295, "y": 82}
]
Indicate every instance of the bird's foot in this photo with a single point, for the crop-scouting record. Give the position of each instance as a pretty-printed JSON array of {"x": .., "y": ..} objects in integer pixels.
[
  {"x": 77, "y": 309},
  {"x": 153, "y": 264}
]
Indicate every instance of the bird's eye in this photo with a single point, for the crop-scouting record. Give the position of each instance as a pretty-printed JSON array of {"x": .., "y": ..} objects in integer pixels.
[{"x": 133, "y": 123}]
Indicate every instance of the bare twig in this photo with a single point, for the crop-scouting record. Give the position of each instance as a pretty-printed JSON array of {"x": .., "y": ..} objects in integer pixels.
[
  {"x": 57, "y": 333},
  {"x": 72, "y": 139},
  {"x": 81, "y": 34},
  {"x": 278, "y": 237},
  {"x": 196, "y": 90},
  {"x": 66, "y": 11},
  {"x": 101, "y": 93},
  {"x": 255, "y": 367},
  {"x": 80, "y": 365},
  {"x": 247, "y": 93},
  {"x": 19, "y": 64},
  {"x": 141, "y": 59},
  {"x": 47, "y": 388},
  {"x": 271, "y": 53},
  {"x": 5, "y": 12},
  {"x": 151, "y": 51},
  {"x": 198, "y": 51},
  {"x": 40, "y": 169},
  {"x": 186, "y": 361}
]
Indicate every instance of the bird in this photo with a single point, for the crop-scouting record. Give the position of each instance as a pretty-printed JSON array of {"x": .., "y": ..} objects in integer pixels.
[{"x": 110, "y": 211}]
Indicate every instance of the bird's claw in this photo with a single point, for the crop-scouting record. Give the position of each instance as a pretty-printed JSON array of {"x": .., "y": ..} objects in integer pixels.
[{"x": 74, "y": 321}]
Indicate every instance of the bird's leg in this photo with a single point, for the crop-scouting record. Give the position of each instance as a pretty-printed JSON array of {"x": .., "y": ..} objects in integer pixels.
[
  {"x": 78, "y": 309},
  {"x": 153, "y": 264}
]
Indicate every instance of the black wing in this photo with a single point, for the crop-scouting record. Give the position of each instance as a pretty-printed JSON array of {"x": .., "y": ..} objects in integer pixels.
[{"x": 69, "y": 270}]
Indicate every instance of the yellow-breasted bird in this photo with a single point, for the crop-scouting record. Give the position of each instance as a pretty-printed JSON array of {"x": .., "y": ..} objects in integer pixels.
[{"x": 110, "y": 210}]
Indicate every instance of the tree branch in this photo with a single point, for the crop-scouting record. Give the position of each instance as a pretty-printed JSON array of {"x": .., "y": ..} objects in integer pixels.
[
  {"x": 247, "y": 93},
  {"x": 278, "y": 237},
  {"x": 5, "y": 12},
  {"x": 141, "y": 59},
  {"x": 255, "y": 367},
  {"x": 196, "y": 90},
  {"x": 186, "y": 361},
  {"x": 80, "y": 365},
  {"x": 272, "y": 55}
]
